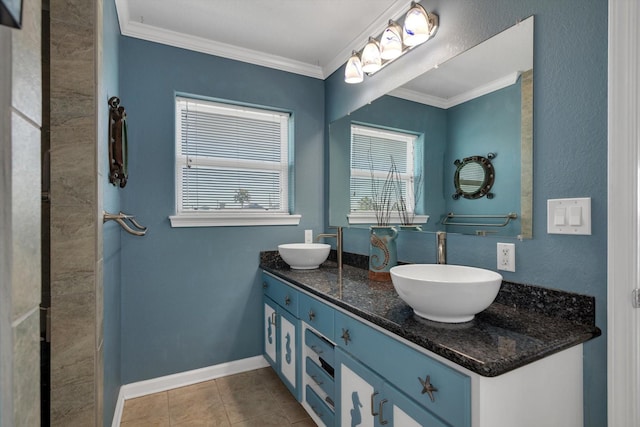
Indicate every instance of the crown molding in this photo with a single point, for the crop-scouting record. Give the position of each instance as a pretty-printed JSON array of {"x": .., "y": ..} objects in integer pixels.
[
  {"x": 446, "y": 103},
  {"x": 199, "y": 44}
]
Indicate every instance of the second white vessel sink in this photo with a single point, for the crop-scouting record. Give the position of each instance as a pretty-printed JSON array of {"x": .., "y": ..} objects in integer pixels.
[
  {"x": 446, "y": 293},
  {"x": 304, "y": 256}
]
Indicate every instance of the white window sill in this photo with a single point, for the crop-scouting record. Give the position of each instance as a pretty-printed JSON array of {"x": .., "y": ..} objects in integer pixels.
[
  {"x": 235, "y": 219},
  {"x": 370, "y": 218}
]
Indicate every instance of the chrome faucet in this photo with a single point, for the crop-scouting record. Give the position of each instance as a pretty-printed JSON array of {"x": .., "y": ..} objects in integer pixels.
[
  {"x": 441, "y": 239},
  {"x": 338, "y": 236}
]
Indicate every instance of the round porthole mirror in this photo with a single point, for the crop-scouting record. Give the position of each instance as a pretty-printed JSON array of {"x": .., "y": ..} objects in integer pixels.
[{"x": 474, "y": 177}]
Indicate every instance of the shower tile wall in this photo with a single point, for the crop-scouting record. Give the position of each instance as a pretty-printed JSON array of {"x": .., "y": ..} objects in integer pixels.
[
  {"x": 20, "y": 112},
  {"x": 76, "y": 219}
]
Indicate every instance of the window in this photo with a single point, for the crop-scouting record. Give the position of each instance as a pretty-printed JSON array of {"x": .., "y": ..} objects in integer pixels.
[
  {"x": 232, "y": 165},
  {"x": 372, "y": 152}
]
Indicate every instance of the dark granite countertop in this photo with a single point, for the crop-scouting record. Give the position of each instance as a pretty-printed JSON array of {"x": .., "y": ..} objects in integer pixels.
[{"x": 524, "y": 324}]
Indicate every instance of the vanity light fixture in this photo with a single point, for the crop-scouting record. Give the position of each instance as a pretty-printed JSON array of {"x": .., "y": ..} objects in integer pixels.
[
  {"x": 371, "y": 59},
  {"x": 418, "y": 26},
  {"x": 353, "y": 71},
  {"x": 391, "y": 41}
]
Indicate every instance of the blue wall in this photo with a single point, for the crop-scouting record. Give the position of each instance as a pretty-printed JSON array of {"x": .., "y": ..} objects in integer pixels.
[
  {"x": 111, "y": 230},
  {"x": 191, "y": 297},
  {"x": 570, "y": 149}
]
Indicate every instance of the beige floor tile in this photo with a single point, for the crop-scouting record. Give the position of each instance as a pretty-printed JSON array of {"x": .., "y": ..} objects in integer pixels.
[
  {"x": 249, "y": 404},
  {"x": 305, "y": 423},
  {"x": 164, "y": 422},
  {"x": 197, "y": 405},
  {"x": 153, "y": 408},
  {"x": 267, "y": 420},
  {"x": 294, "y": 412}
]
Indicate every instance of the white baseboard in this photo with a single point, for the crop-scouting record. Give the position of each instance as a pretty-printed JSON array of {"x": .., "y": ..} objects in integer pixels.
[{"x": 156, "y": 385}]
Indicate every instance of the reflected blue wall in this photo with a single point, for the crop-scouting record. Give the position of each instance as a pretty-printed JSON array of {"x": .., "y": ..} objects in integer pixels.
[
  {"x": 569, "y": 149},
  {"x": 488, "y": 124},
  {"x": 191, "y": 297}
]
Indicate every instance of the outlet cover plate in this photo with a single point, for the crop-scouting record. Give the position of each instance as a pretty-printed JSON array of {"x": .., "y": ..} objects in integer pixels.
[{"x": 507, "y": 257}]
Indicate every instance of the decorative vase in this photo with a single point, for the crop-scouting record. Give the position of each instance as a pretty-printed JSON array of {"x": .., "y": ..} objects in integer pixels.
[{"x": 383, "y": 253}]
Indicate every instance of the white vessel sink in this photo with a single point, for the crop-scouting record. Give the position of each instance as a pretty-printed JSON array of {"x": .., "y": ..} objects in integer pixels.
[
  {"x": 304, "y": 256},
  {"x": 446, "y": 293}
]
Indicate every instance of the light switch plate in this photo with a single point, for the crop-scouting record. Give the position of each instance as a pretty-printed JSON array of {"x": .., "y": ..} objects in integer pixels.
[{"x": 569, "y": 216}]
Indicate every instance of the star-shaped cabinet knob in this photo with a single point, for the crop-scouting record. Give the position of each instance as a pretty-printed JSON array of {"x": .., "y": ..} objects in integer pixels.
[{"x": 427, "y": 387}]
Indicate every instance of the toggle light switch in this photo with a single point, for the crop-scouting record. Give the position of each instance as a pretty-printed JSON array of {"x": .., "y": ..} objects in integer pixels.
[
  {"x": 558, "y": 218},
  {"x": 569, "y": 216},
  {"x": 575, "y": 217}
]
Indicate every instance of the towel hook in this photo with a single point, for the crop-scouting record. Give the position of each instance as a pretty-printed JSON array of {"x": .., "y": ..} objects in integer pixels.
[{"x": 121, "y": 219}]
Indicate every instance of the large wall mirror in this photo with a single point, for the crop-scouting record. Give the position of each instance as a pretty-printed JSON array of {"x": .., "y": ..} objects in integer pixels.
[{"x": 476, "y": 103}]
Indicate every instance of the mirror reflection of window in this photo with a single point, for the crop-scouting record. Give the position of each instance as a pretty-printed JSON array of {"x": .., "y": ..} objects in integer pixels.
[{"x": 372, "y": 152}]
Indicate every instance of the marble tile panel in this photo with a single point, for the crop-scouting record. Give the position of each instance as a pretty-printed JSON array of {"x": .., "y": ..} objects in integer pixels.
[
  {"x": 72, "y": 240},
  {"x": 99, "y": 310},
  {"x": 71, "y": 109},
  {"x": 26, "y": 59},
  {"x": 73, "y": 11},
  {"x": 72, "y": 339},
  {"x": 25, "y": 202},
  {"x": 71, "y": 282},
  {"x": 26, "y": 378},
  {"x": 99, "y": 387},
  {"x": 73, "y": 405}
]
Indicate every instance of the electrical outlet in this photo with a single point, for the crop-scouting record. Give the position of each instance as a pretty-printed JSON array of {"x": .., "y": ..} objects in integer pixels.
[
  {"x": 507, "y": 257},
  {"x": 308, "y": 236}
]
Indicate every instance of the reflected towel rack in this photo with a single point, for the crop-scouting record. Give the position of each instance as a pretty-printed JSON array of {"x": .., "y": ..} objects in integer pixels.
[
  {"x": 447, "y": 219},
  {"x": 122, "y": 218}
]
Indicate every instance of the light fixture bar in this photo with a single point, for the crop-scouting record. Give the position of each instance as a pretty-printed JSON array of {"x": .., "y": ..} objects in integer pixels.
[{"x": 417, "y": 27}]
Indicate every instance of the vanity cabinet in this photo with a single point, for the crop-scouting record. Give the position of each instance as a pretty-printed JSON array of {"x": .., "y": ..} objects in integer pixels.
[
  {"x": 281, "y": 332},
  {"x": 346, "y": 371}
]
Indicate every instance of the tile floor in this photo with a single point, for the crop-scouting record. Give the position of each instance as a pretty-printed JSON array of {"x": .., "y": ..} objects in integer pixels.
[{"x": 250, "y": 399}]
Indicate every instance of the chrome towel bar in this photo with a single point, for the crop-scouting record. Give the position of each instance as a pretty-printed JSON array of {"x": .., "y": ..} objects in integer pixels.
[
  {"x": 447, "y": 219},
  {"x": 124, "y": 220}
]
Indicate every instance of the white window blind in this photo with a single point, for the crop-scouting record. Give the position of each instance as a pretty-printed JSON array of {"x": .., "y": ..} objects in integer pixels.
[
  {"x": 371, "y": 152},
  {"x": 231, "y": 161}
]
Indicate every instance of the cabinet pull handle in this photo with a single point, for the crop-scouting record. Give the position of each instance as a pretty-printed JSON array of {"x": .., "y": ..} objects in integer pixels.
[
  {"x": 287, "y": 300},
  {"x": 312, "y": 315},
  {"x": 428, "y": 388},
  {"x": 273, "y": 318},
  {"x": 265, "y": 285},
  {"x": 381, "y": 417},
  {"x": 345, "y": 336},
  {"x": 316, "y": 349},
  {"x": 373, "y": 414},
  {"x": 316, "y": 380}
]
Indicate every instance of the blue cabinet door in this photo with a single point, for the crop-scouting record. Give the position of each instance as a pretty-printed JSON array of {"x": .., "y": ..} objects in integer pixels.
[{"x": 359, "y": 393}]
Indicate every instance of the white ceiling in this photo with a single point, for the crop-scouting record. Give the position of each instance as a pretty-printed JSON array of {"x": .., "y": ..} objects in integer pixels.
[
  {"x": 308, "y": 37},
  {"x": 316, "y": 37}
]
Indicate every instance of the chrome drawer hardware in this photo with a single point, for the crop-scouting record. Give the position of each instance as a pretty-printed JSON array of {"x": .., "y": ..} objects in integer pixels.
[
  {"x": 264, "y": 285},
  {"x": 381, "y": 417},
  {"x": 312, "y": 315},
  {"x": 373, "y": 414},
  {"x": 287, "y": 300},
  {"x": 428, "y": 388},
  {"x": 345, "y": 336},
  {"x": 316, "y": 349},
  {"x": 273, "y": 318},
  {"x": 316, "y": 380}
]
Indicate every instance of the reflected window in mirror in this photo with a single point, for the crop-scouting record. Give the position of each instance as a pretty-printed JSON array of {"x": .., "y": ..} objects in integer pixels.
[{"x": 382, "y": 161}]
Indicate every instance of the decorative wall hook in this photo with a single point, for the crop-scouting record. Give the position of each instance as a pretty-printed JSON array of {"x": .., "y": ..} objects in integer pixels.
[{"x": 117, "y": 143}]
